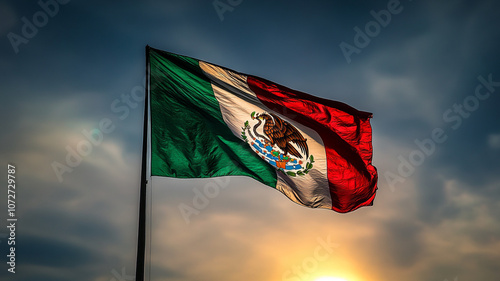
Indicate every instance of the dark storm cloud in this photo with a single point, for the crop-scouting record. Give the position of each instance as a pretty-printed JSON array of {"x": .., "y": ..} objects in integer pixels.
[
  {"x": 54, "y": 253},
  {"x": 85, "y": 228}
]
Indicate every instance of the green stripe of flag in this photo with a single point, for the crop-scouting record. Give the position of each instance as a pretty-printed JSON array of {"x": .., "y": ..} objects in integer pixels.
[{"x": 189, "y": 138}]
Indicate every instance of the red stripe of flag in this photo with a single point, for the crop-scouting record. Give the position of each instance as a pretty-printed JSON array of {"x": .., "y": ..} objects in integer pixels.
[{"x": 346, "y": 134}]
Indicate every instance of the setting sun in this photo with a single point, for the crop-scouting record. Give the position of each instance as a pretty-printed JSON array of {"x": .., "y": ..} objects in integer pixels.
[{"x": 330, "y": 279}]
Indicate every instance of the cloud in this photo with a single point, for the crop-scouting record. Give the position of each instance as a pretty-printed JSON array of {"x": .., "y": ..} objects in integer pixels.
[
  {"x": 86, "y": 222},
  {"x": 494, "y": 141},
  {"x": 54, "y": 252},
  {"x": 471, "y": 231}
]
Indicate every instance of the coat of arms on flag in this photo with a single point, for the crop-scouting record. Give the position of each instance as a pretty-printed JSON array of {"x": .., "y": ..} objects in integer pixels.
[{"x": 278, "y": 143}]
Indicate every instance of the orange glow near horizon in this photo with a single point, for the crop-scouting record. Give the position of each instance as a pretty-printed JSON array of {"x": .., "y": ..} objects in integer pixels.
[{"x": 325, "y": 278}]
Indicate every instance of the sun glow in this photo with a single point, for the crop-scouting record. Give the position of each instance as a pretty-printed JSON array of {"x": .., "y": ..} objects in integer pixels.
[{"x": 330, "y": 279}]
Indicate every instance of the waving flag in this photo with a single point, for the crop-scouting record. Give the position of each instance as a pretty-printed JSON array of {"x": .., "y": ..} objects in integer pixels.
[{"x": 210, "y": 121}]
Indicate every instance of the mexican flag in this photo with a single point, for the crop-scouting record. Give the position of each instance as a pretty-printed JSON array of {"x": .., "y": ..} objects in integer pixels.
[{"x": 210, "y": 121}]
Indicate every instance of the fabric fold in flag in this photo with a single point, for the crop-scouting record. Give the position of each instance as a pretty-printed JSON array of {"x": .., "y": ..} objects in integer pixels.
[{"x": 210, "y": 121}]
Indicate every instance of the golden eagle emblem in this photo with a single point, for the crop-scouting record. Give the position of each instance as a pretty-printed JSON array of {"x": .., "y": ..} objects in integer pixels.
[
  {"x": 281, "y": 134},
  {"x": 279, "y": 143}
]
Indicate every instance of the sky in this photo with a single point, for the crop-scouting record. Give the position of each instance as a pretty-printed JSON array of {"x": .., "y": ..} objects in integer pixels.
[{"x": 427, "y": 70}]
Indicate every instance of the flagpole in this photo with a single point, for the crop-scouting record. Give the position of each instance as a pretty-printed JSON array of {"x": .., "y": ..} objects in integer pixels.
[{"x": 141, "y": 237}]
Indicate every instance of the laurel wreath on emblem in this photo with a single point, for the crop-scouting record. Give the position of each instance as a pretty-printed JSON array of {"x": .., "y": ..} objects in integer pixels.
[{"x": 278, "y": 134}]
